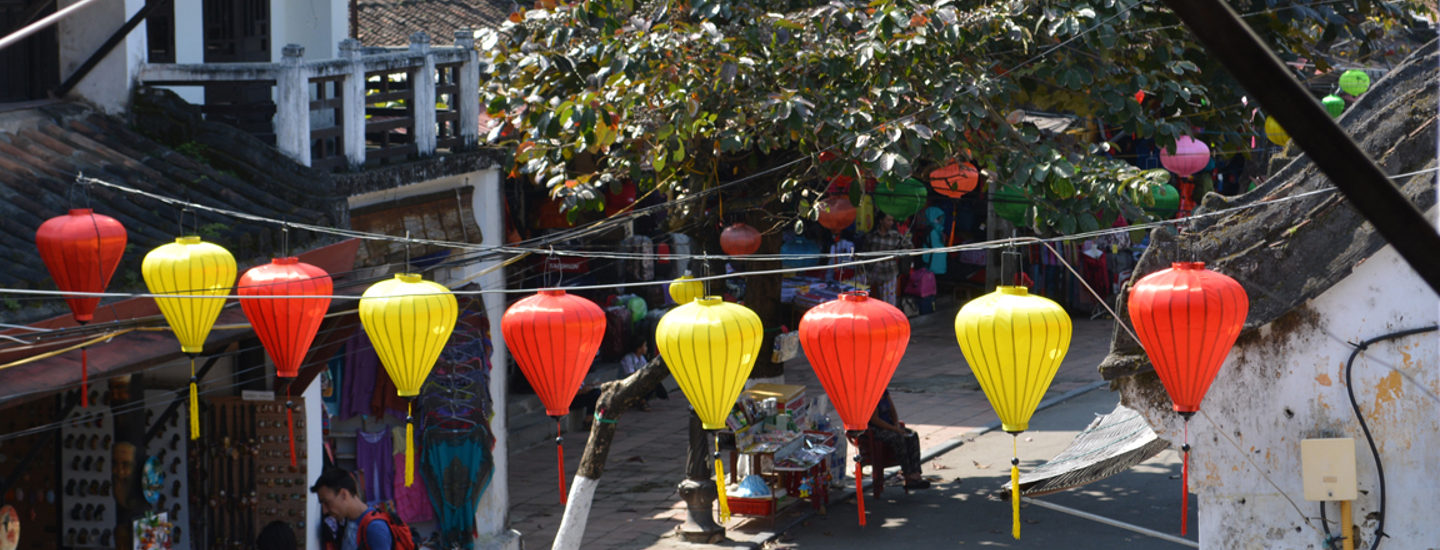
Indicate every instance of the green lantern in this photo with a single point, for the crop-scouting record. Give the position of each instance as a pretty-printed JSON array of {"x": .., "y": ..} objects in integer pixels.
[
  {"x": 1354, "y": 82},
  {"x": 903, "y": 200},
  {"x": 1333, "y": 105},
  {"x": 1167, "y": 200},
  {"x": 1011, "y": 203}
]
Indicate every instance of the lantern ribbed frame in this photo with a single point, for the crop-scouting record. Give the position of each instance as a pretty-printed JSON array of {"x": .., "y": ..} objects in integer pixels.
[
  {"x": 710, "y": 346},
  {"x": 286, "y": 327},
  {"x": 81, "y": 250},
  {"x": 854, "y": 344},
  {"x": 409, "y": 321},
  {"x": 554, "y": 337},
  {"x": 190, "y": 267},
  {"x": 1187, "y": 318},
  {"x": 1014, "y": 343}
]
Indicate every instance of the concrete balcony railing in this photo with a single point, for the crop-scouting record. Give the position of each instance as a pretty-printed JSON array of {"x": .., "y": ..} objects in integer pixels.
[{"x": 367, "y": 105}]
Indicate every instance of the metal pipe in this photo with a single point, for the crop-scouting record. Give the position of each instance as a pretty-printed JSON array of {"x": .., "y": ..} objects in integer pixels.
[
  {"x": 14, "y": 37},
  {"x": 1112, "y": 522}
]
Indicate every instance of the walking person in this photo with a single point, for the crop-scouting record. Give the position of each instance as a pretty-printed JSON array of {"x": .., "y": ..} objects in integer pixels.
[{"x": 884, "y": 276}]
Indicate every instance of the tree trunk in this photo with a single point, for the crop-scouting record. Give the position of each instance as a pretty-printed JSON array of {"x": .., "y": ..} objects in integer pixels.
[{"x": 615, "y": 397}]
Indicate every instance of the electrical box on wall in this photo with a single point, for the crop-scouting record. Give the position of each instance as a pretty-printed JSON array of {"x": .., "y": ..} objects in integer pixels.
[{"x": 1328, "y": 468}]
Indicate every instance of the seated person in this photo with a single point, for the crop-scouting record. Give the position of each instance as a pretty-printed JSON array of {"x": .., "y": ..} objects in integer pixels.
[
  {"x": 903, "y": 442},
  {"x": 634, "y": 361}
]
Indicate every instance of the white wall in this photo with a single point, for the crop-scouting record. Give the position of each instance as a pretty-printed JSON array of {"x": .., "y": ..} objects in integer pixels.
[
  {"x": 318, "y": 25},
  {"x": 1288, "y": 384},
  {"x": 189, "y": 44},
  {"x": 108, "y": 84}
]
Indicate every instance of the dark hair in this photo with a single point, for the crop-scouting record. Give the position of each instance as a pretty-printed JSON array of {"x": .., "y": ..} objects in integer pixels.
[
  {"x": 277, "y": 535},
  {"x": 335, "y": 479}
]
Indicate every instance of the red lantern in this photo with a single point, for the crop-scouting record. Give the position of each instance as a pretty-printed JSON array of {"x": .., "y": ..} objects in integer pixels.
[
  {"x": 554, "y": 337},
  {"x": 836, "y": 213},
  {"x": 1187, "y": 318},
  {"x": 854, "y": 344},
  {"x": 286, "y": 326},
  {"x": 81, "y": 250},
  {"x": 615, "y": 202},
  {"x": 739, "y": 239},
  {"x": 955, "y": 179}
]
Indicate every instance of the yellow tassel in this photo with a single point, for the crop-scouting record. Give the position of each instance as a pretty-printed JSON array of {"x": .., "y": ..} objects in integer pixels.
[
  {"x": 194, "y": 403},
  {"x": 720, "y": 485},
  {"x": 1015, "y": 501},
  {"x": 409, "y": 447}
]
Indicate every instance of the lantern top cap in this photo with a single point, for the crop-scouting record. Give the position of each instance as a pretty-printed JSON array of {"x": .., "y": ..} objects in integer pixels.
[
  {"x": 553, "y": 292},
  {"x": 288, "y": 260},
  {"x": 187, "y": 239},
  {"x": 81, "y": 211},
  {"x": 1188, "y": 265},
  {"x": 408, "y": 277},
  {"x": 855, "y": 296},
  {"x": 710, "y": 300},
  {"x": 1013, "y": 290}
]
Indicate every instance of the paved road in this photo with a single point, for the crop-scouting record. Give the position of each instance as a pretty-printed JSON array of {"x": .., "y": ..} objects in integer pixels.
[{"x": 960, "y": 510}]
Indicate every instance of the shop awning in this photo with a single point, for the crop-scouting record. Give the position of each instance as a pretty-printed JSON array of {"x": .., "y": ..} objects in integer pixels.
[
  {"x": 1109, "y": 445},
  {"x": 30, "y": 372}
]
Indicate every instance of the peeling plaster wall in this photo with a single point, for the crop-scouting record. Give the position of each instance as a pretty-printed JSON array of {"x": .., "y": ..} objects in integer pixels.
[{"x": 1285, "y": 382}]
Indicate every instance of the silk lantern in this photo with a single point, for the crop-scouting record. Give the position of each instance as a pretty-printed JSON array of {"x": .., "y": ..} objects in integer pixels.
[
  {"x": 554, "y": 337},
  {"x": 1187, "y": 318},
  {"x": 1354, "y": 82},
  {"x": 1191, "y": 155},
  {"x": 686, "y": 289},
  {"x": 1334, "y": 104},
  {"x": 836, "y": 213},
  {"x": 954, "y": 180},
  {"x": 81, "y": 251},
  {"x": 854, "y": 344},
  {"x": 1275, "y": 132},
  {"x": 901, "y": 200},
  {"x": 1167, "y": 200},
  {"x": 199, "y": 274},
  {"x": 710, "y": 346},
  {"x": 1014, "y": 343},
  {"x": 285, "y": 301},
  {"x": 739, "y": 240},
  {"x": 408, "y": 319},
  {"x": 1011, "y": 204}
]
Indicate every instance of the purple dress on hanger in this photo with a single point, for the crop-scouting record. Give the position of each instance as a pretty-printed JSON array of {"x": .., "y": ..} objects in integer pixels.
[
  {"x": 361, "y": 364},
  {"x": 374, "y": 455}
]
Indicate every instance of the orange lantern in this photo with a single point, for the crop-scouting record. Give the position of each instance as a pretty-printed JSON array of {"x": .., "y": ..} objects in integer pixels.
[
  {"x": 739, "y": 240},
  {"x": 955, "y": 179},
  {"x": 836, "y": 213}
]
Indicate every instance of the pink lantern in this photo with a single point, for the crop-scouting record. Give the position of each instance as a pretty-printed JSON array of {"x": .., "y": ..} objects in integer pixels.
[{"x": 1191, "y": 155}]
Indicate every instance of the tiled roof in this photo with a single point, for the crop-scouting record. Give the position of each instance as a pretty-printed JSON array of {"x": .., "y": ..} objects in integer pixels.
[
  {"x": 43, "y": 149},
  {"x": 391, "y": 22}
]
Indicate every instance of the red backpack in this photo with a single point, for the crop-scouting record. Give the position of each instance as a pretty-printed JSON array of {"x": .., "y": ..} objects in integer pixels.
[{"x": 400, "y": 535}]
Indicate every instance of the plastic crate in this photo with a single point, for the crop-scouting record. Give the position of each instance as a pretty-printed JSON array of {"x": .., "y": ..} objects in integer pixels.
[{"x": 743, "y": 506}]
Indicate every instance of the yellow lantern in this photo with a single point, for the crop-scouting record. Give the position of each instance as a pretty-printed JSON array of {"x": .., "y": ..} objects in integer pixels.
[
  {"x": 185, "y": 268},
  {"x": 686, "y": 289},
  {"x": 409, "y": 320},
  {"x": 1275, "y": 132},
  {"x": 1014, "y": 343},
  {"x": 710, "y": 346}
]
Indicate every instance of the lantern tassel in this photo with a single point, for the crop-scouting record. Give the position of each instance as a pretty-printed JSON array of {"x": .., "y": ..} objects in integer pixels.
[
  {"x": 290, "y": 423},
  {"x": 859, "y": 491},
  {"x": 84, "y": 378},
  {"x": 720, "y": 483},
  {"x": 1015, "y": 486},
  {"x": 194, "y": 403},
  {"x": 560, "y": 459},
  {"x": 409, "y": 443},
  {"x": 1185, "y": 480}
]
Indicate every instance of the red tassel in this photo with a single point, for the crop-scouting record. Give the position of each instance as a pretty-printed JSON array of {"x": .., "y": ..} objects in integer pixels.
[
  {"x": 290, "y": 424},
  {"x": 84, "y": 378},
  {"x": 560, "y": 460},
  {"x": 859, "y": 493},
  {"x": 1185, "y": 481}
]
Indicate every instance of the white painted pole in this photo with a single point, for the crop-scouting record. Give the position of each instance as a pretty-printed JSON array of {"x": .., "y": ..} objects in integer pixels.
[
  {"x": 487, "y": 205},
  {"x": 314, "y": 459},
  {"x": 577, "y": 513}
]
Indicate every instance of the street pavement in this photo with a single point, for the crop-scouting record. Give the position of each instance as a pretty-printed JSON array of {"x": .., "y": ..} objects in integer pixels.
[
  {"x": 637, "y": 506},
  {"x": 962, "y": 509}
]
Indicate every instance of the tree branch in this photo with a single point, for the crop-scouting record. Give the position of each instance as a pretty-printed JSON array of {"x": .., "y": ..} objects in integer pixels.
[{"x": 615, "y": 399}]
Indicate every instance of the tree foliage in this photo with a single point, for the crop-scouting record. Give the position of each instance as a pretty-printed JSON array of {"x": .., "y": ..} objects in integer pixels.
[{"x": 665, "y": 92}]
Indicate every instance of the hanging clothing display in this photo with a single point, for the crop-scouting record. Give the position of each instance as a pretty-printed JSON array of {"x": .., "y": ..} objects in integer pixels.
[
  {"x": 457, "y": 468},
  {"x": 680, "y": 246},
  {"x": 642, "y": 269},
  {"x": 330, "y": 384},
  {"x": 411, "y": 503},
  {"x": 840, "y": 252},
  {"x": 935, "y": 218},
  {"x": 374, "y": 456},
  {"x": 361, "y": 365}
]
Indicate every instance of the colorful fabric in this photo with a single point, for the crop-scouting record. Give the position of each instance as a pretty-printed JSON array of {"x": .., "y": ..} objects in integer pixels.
[
  {"x": 374, "y": 457},
  {"x": 412, "y": 503},
  {"x": 361, "y": 364},
  {"x": 457, "y": 465}
]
